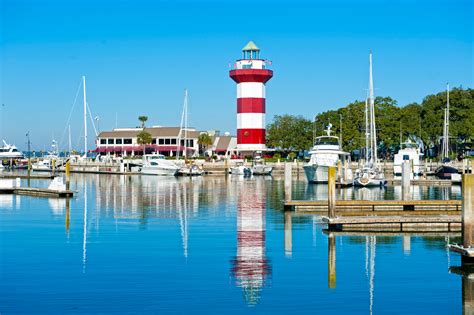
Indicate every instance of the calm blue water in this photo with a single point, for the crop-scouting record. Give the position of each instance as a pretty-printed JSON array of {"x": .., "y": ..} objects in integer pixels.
[{"x": 210, "y": 245}]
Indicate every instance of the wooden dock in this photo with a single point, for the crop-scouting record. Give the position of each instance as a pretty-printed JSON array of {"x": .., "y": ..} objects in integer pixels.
[
  {"x": 39, "y": 192},
  {"x": 377, "y": 207},
  {"x": 25, "y": 176},
  {"x": 448, "y": 223}
]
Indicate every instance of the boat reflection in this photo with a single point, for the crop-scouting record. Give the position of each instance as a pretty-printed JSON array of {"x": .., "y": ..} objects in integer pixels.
[{"x": 250, "y": 267}]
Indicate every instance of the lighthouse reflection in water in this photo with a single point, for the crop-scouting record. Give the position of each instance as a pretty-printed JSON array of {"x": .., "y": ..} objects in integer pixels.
[{"x": 250, "y": 268}]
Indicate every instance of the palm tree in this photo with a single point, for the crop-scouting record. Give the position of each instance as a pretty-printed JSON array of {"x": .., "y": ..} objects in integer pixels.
[
  {"x": 204, "y": 140},
  {"x": 144, "y": 138},
  {"x": 143, "y": 120}
]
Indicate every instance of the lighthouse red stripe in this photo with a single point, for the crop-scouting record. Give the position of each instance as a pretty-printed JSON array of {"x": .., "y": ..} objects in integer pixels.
[
  {"x": 250, "y": 105},
  {"x": 250, "y": 136}
]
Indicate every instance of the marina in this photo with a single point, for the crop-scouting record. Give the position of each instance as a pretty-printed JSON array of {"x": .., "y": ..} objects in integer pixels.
[{"x": 197, "y": 157}]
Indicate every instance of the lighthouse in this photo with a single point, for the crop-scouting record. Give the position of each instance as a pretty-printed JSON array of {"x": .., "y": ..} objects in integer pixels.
[{"x": 250, "y": 73}]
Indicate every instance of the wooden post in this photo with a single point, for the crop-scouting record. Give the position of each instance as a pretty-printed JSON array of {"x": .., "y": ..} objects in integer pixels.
[
  {"x": 288, "y": 179},
  {"x": 331, "y": 261},
  {"x": 339, "y": 171},
  {"x": 406, "y": 174},
  {"x": 226, "y": 166},
  {"x": 331, "y": 192},
  {"x": 29, "y": 170},
  {"x": 288, "y": 234},
  {"x": 68, "y": 172},
  {"x": 468, "y": 212}
]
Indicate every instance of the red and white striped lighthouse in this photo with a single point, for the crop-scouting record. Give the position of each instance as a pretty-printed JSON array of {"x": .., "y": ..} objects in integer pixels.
[{"x": 250, "y": 74}]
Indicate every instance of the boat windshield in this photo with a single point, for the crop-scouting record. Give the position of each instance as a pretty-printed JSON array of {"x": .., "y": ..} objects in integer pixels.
[{"x": 327, "y": 141}]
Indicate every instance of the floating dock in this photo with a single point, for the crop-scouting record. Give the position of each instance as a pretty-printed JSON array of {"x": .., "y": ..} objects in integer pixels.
[
  {"x": 448, "y": 223},
  {"x": 39, "y": 192},
  {"x": 25, "y": 176},
  {"x": 377, "y": 207}
]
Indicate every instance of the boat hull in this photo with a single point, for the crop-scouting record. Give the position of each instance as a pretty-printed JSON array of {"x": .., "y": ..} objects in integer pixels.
[
  {"x": 146, "y": 170},
  {"x": 262, "y": 170},
  {"x": 316, "y": 173},
  {"x": 445, "y": 171}
]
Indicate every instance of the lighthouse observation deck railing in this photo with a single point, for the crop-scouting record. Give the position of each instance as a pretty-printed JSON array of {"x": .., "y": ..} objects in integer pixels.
[{"x": 250, "y": 64}]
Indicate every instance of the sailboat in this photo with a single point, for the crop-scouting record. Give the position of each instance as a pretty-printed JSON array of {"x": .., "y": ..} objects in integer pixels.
[
  {"x": 188, "y": 169},
  {"x": 370, "y": 174},
  {"x": 446, "y": 170}
]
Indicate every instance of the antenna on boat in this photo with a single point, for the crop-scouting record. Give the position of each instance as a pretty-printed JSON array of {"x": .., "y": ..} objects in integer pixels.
[
  {"x": 85, "y": 115},
  {"x": 69, "y": 147},
  {"x": 340, "y": 131}
]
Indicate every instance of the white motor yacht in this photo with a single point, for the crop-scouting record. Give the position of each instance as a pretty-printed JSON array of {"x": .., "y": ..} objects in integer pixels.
[
  {"x": 325, "y": 152},
  {"x": 156, "y": 164},
  {"x": 8, "y": 151},
  {"x": 411, "y": 152}
]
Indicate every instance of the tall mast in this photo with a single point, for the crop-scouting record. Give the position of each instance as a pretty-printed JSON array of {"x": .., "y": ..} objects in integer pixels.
[
  {"x": 85, "y": 115},
  {"x": 366, "y": 132},
  {"x": 69, "y": 140},
  {"x": 373, "y": 135},
  {"x": 185, "y": 123},
  {"x": 446, "y": 136}
]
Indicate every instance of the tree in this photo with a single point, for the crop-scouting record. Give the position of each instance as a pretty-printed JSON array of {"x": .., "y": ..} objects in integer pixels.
[
  {"x": 144, "y": 138},
  {"x": 289, "y": 132},
  {"x": 204, "y": 140},
  {"x": 143, "y": 120}
]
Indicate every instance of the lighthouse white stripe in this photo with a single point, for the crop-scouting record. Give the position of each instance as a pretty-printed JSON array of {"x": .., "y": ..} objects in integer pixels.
[
  {"x": 251, "y": 89},
  {"x": 251, "y": 147},
  {"x": 250, "y": 121}
]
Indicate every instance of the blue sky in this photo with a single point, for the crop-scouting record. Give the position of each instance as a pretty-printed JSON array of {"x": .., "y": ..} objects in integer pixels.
[{"x": 138, "y": 56}]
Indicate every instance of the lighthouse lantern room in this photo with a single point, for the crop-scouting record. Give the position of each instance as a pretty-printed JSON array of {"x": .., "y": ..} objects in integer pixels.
[{"x": 251, "y": 74}]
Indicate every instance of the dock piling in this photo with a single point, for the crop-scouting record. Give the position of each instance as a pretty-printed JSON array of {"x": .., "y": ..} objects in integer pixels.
[
  {"x": 468, "y": 214},
  {"x": 288, "y": 181},
  {"x": 68, "y": 172},
  {"x": 406, "y": 177},
  {"x": 331, "y": 192}
]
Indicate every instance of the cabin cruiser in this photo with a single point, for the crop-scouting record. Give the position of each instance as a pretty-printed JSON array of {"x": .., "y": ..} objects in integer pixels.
[
  {"x": 46, "y": 163},
  {"x": 190, "y": 170},
  {"x": 411, "y": 152},
  {"x": 259, "y": 167},
  {"x": 156, "y": 164},
  {"x": 8, "y": 151},
  {"x": 325, "y": 152},
  {"x": 240, "y": 169}
]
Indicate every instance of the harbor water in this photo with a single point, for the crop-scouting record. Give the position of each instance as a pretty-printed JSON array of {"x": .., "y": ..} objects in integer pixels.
[{"x": 213, "y": 245}]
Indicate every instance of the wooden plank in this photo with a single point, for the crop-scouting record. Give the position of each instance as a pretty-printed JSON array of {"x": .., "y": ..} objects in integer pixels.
[{"x": 393, "y": 219}]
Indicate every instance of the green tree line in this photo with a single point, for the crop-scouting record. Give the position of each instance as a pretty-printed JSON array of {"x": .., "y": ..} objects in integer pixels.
[{"x": 423, "y": 120}]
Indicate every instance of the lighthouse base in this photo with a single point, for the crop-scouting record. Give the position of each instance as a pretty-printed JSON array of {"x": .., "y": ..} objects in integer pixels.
[{"x": 250, "y": 149}]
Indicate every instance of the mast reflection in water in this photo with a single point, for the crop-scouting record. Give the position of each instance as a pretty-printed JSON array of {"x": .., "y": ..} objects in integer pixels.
[{"x": 250, "y": 267}]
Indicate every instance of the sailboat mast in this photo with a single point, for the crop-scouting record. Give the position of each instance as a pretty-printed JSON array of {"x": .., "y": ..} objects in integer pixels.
[
  {"x": 366, "y": 132},
  {"x": 69, "y": 140},
  {"x": 185, "y": 123},
  {"x": 446, "y": 137},
  {"x": 373, "y": 135},
  {"x": 85, "y": 115}
]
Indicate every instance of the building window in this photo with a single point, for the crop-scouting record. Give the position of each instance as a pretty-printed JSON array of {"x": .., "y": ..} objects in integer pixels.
[
  {"x": 173, "y": 141},
  {"x": 167, "y": 141},
  {"x": 127, "y": 141},
  {"x": 182, "y": 143},
  {"x": 190, "y": 143},
  {"x": 161, "y": 141},
  {"x": 153, "y": 141},
  {"x": 118, "y": 141},
  {"x": 103, "y": 141},
  {"x": 110, "y": 141}
]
